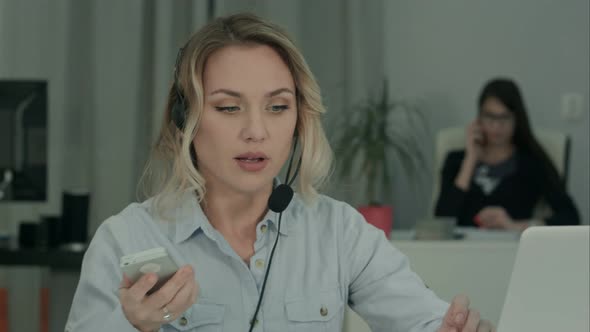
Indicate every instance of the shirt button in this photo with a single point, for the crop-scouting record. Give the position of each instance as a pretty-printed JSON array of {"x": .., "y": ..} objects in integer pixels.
[
  {"x": 259, "y": 263},
  {"x": 323, "y": 311},
  {"x": 183, "y": 321},
  {"x": 263, "y": 228}
]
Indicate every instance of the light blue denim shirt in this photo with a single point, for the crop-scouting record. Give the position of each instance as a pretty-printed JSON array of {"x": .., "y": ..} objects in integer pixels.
[{"x": 327, "y": 257}]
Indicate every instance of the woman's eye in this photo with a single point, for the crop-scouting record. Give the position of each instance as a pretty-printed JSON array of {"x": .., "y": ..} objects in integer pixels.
[
  {"x": 279, "y": 108},
  {"x": 227, "y": 109}
]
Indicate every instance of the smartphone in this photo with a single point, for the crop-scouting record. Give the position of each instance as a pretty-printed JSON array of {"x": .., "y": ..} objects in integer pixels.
[{"x": 154, "y": 260}]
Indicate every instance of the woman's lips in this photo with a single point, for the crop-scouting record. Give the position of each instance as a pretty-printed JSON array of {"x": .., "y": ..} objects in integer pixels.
[{"x": 252, "y": 161}]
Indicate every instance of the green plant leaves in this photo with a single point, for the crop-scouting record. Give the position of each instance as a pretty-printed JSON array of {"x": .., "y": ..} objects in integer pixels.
[{"x": 367, "y": 139}]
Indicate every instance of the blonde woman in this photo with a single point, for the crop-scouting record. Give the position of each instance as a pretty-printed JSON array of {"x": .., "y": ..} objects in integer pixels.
[{"x": 242, "y": 98}]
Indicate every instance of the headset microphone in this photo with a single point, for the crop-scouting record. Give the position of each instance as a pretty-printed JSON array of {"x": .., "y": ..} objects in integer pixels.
[
  {"x": 282, "y": 194},
  {"x": 278, "y": 201},
  {"x": 280, "y": 198}
]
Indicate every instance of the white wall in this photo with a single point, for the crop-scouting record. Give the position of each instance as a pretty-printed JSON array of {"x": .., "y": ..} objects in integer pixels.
[{"x": 444, "y": 51}]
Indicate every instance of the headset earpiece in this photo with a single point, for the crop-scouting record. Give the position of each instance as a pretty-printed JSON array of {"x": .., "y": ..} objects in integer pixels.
[{"x": 178, "y": 111}]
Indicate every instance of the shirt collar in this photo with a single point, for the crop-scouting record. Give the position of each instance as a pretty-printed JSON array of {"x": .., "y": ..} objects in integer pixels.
[{"x": 189, "y": 217}]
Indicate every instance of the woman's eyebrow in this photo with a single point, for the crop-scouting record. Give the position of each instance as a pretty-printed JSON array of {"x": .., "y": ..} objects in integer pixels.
[
  {"x": 239, "y": 95},
  {"x": 279, "y": 91},
  {"x": 227, "y": 92}
]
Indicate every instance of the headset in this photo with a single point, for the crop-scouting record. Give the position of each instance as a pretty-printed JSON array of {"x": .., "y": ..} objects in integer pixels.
[
  {"x": 281, "y": 195},
  {"x": 178, "y": 111}
]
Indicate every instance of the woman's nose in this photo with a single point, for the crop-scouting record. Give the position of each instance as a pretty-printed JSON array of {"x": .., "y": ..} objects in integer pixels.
[{"x": 255, "y": 128}]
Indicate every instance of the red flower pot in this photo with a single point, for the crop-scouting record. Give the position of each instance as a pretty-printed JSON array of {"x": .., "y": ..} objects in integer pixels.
[{"x": 380, "y": 216}]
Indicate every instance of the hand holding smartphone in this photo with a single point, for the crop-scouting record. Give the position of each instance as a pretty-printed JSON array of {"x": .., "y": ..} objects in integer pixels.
[
  {"x": 177, "y": 289},
  {"x": 475, "y": 140},
  {"x": 154, "y": 260},
  {"x": 479, "y": 137}
]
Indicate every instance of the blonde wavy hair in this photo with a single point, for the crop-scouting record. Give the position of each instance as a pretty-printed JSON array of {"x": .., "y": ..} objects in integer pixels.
[{"x": 172, "y": 170}]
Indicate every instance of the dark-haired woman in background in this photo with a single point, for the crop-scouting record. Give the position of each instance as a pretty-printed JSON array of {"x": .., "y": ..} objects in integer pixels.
[{"x": 499, "y": 178}]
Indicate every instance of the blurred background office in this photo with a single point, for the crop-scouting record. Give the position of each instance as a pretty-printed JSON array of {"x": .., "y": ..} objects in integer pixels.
[{"x": 107, "y": 65}]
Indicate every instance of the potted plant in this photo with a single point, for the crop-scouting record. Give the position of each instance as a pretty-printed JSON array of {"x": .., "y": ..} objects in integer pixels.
[{"x": 370, "y": 136}]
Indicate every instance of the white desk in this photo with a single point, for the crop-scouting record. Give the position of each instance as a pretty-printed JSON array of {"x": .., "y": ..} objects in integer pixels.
[{"x": 478, "y": 268}]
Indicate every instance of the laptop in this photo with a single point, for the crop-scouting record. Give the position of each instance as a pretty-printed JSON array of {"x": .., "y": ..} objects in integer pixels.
[{"x": 549, "y": 287}]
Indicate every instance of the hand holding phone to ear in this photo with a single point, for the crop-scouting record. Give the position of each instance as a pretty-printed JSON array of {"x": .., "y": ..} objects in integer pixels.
[{"x": 475, "y": 141}]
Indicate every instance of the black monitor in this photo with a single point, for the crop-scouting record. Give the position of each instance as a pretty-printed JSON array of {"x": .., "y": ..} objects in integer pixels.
[{"x": 23, "y": 140}]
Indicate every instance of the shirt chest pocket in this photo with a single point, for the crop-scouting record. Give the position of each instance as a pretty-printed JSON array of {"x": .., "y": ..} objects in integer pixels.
[
  {"x": 321, "y": 311},
  {"x": 201, "y": 317}
]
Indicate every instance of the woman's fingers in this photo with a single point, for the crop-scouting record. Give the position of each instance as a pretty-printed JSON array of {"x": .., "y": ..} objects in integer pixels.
[
  {"x": 183, "y": 299},
  {"x": 457, "y": 313},
  {"x": 472, "y": 321},
  {"x": 138, "y": 290},
  {"x": 167, "y": 292},
  {"x": 172, "y": 299}
]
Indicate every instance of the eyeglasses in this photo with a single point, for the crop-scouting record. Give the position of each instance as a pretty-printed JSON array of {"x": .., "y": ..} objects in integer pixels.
[{"x": 489, "y": 118}]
